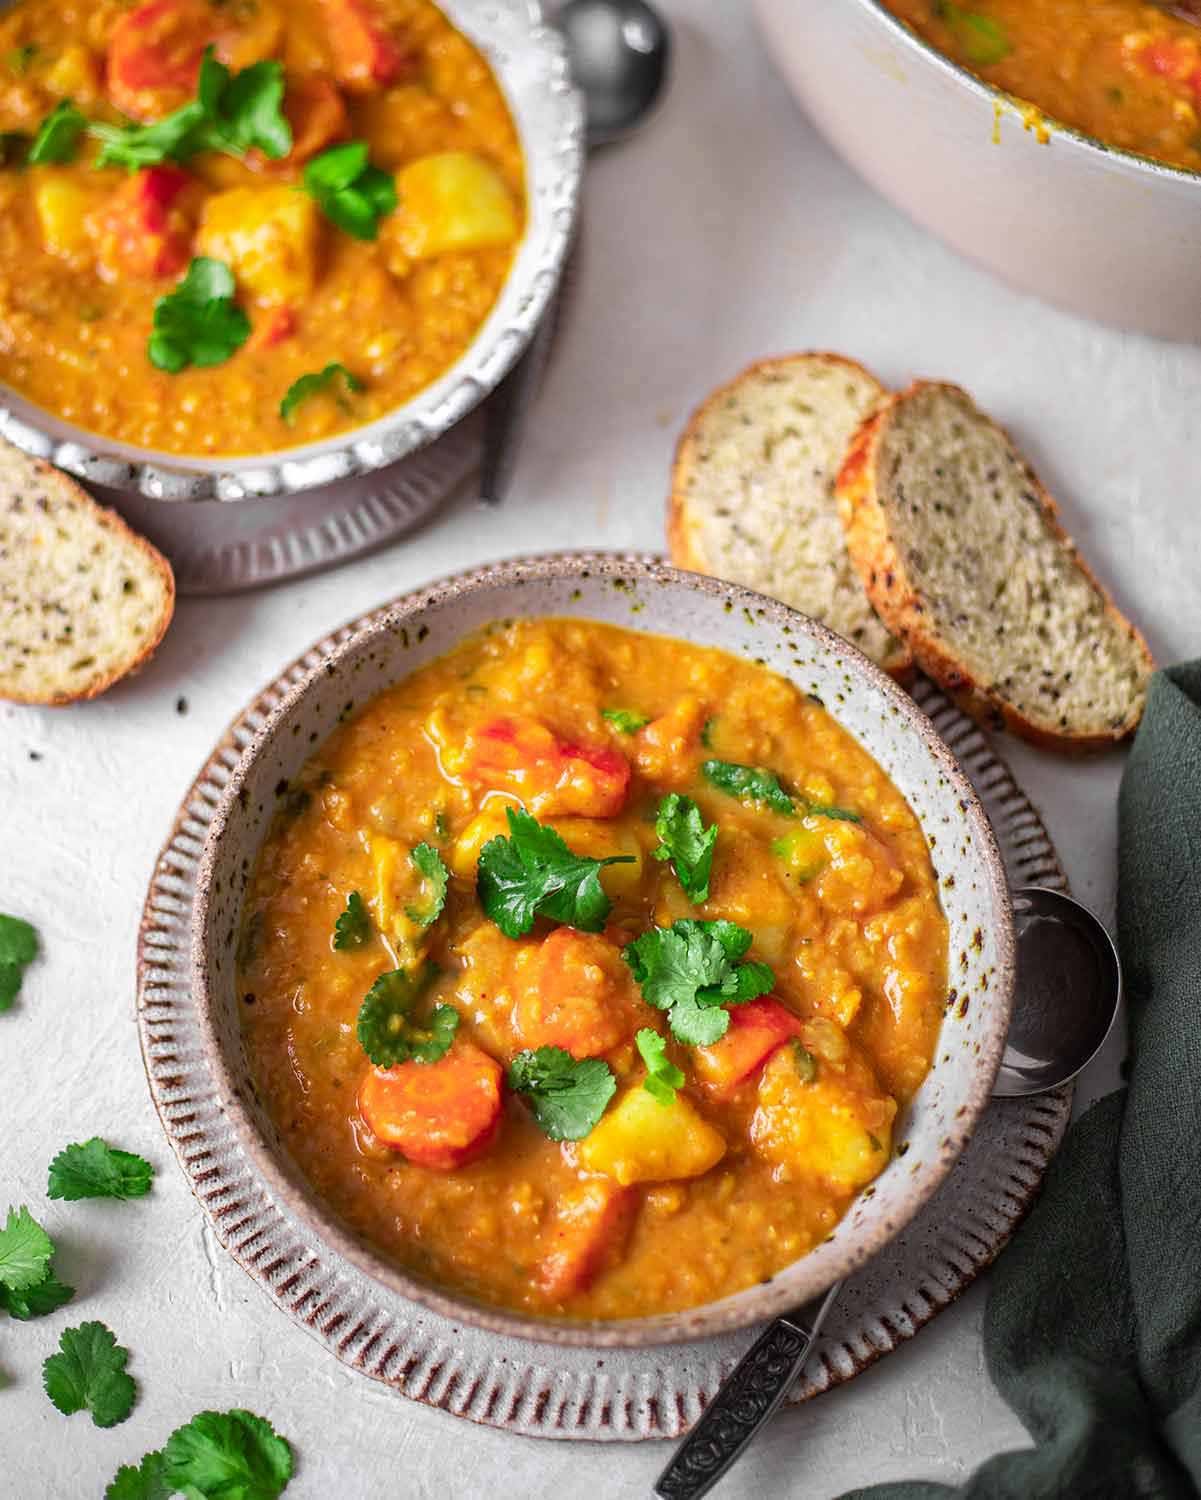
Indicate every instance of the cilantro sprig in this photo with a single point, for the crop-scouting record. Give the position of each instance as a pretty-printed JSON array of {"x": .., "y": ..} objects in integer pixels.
[
  {"x": 318, "y": 380},
  {"x": 567, "y": 1095},
  {"x": 353, "y": 926},
  {"x": 625, "y": 719},
  {"x": 350, "y": 192},
  {"x": 58, "y": 135},
  {"x": 18, "y": 949},
  {"x": 218, "y": 1455},
  {"x": 687, "y": 843},
  {"x": 532, "y": 873},
  {"x": 755, "y": 784},
  {"x": 691, "y": 970},
  {"x": 663, "y": 1078},
  {"x": 88, "y": 1374},
  {"x": 388, "y": 1031},
  {"x": 435, "y": 877},
  {"x": 28, "y": 1286},
  {"x": 94, "y": 1169},
  {"x": 198, "y": 323}
]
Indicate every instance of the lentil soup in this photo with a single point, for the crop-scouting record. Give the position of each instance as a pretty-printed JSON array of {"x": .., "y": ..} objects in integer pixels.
[
  {"x": 356, "y": 176},
  {"x": 586, "y": 972}
]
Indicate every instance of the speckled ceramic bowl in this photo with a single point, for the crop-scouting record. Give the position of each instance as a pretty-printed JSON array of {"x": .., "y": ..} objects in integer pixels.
[
  {"x": 530, "y": 62},
  {"x": 643, "y": 594}
]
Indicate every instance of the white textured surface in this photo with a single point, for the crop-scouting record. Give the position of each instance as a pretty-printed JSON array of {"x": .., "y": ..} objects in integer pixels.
[{"x": 726, "y": 233}]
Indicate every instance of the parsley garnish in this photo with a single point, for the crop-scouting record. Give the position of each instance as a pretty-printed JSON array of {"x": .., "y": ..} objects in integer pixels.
[
  {"x": 349, "y": 190},
  {"x": 684, "y": 839},
  {"x": 47, "y": 1296},
  {"x": 133, "y": 146},
  {"x": 25, "y": 1251},
  {"x": 436, "y": 875},
  {"x": 97, "y": 1170},
  {"x": 749, "y": 784},
  {"x": 827, "y": 810},
  {"x": 226, "y": 1455},
  {"x": 18, "y": 949},
  {"x": 199, "y": 323},
  {"x": 663, "y": 1078},
  {"x": 568, "y": 1096},
  {"x": 690, "y": 971},
  {"x": 308, "y": 385},
  {"x": 353, "y": 927},
  {"x": 58, "y": 135},
  {"x": 625, "y": 719},
  {"x": 145, "y": 1482},
  {"x": 533, "y": 873},
  {"x": 88, "y": 1374},
  {"x": 387, "y": 1031}
]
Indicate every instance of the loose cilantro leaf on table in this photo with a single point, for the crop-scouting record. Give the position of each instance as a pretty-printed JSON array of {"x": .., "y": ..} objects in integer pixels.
[
  {"x": 97, "y": 1170},
  {"x": 684, "y": 839},
  {"x": 749, "y": 784},
  {"x": 387, "y": 1030},
  {"x": 353, "y": 927},
  {"x": 199, "y": 323},
  {"x": 349, "y": 191},
  {"x": 18, "y": 949},
  {"x": 436, "y": 875},
  {"x": 663, "y": 1078},
  {"x": 691, "y": 970},
  {"x": 37, "y": 1301},
  {"x": 225, "y": 1455},
  {"x": 317, "y": 380},
  {"x": 625, "y": 719},
  {"x": 58, "y": 135},
  {"x": 25, "y": 1251},
  {"x": 88, "y": 1374},
  {"x": 145, "y": 1482},
  {"x": 567, "y": 1096},
  {"x": 532, "y": 873}
]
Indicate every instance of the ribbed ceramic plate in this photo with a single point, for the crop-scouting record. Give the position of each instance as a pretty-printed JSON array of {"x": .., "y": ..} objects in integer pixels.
[{"x": 540, "y": 1389}]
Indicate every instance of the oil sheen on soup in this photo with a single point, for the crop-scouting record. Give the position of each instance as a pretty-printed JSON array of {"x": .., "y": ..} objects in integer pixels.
[{"x": 648, "y": 952}]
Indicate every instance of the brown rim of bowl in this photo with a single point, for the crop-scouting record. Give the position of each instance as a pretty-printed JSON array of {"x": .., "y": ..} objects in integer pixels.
[{"x": 287, "y": 1184}]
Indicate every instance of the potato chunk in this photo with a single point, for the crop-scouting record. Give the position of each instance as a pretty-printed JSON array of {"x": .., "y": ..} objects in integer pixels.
[
  {"x": 641, "y": 1140},
  {"x": 62, "y": 206},
  {"x": 270, "y": 239},
  {"x": 451, "y": 201}
]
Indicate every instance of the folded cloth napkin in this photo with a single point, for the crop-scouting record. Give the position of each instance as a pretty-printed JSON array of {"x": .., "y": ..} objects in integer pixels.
[{"x": 1093, "y": 1324}]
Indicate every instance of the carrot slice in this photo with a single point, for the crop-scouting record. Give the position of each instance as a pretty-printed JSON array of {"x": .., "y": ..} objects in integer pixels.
[
  {"x": 316, "y": 111},
  {"x": 366, "y": 54},
  {"x": 551, "y": 776},
  {"x": 575, "y": 995},
  {"x": 155, "y": 53},
  {"x": 439, "y": 1114},
  {"x": 756, "y": 1030},
  {"x": 144, "y": 229},
  {"x": 592, "y": 1222}
]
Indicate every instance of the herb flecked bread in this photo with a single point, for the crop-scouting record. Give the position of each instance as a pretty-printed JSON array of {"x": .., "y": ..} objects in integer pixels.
[
  {"x": 752, "y": 491},
  {"x": 83, "y": 599},
  {"x": 962, "y": 556}
]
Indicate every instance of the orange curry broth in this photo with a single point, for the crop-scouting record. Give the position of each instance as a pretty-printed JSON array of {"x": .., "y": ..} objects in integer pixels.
[
  {"x": 1127, "y": 74},
  {"x": 851, "y": 925},
  {"x": 82, "y": 267}
]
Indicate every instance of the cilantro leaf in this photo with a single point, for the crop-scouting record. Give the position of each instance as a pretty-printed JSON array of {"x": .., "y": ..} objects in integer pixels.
[
  {"x": 25, "y": 1251},
  {"x": 353, "y": 927},
  {"x": 827, "y": 810},
  {"x": 349, "y": 191},
  {"x": 199, "y": 323},
  {"x": 97, "y": 1170},
  {"x": 170, "y": 139},
  {"x": 749, "y": 784},
  {"x": 567, "y": 1096},
  {"x": 58, "y": 135},
  {"x": 18, "y": 949},
  {"x": 684, "y": 839},
  {"x": 227, "y": 1455},
  {"x": 625, "y": 720},
  {"x": 145, "y": 1482},
  {"x": 436, "y": 875},
  {"x": 317, "y": 380},
  {"x": 88, "y": 1374},
  {"x": 532, "y": 873},
  {"x": 46, "y": 1296},
  {"x": 690, "y": 970},
  {"x": 386, "y": 1029},
  {"x": 663, "y": 1078}
]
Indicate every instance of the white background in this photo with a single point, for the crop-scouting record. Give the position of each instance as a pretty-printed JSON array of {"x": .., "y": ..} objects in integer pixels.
[{"x": 725, "y": 233}]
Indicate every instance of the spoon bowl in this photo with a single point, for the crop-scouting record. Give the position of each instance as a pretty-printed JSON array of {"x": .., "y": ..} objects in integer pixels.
[{"x": 620, "y": 50}]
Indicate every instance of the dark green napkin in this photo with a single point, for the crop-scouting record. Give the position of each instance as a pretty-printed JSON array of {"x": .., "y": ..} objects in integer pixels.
[{"x": 1093, "y": 1325}]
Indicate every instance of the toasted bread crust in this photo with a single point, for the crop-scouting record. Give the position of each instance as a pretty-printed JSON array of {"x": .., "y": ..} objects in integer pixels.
[
  {"x": 682, "y": 532},
  {"x": 899, "y": 603}
]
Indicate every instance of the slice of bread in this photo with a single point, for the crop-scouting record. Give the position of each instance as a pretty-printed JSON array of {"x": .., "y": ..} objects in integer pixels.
[
  {"x": 83, "y": 599},
  {"x": 960, "y": 551},
  {"x": 752, "y": 491}
]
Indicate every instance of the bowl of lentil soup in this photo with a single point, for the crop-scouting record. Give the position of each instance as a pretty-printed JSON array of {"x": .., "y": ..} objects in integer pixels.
[
  {"x": 600, "y": 953},
  {"x": 1055, "y": 142},
  {"x": 253, "y": 248}
]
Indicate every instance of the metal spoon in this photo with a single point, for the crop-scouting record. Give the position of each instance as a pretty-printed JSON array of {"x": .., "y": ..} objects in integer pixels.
[
  {"x": 620, "y": 51},
  {"x": 1069, "y": 988}
]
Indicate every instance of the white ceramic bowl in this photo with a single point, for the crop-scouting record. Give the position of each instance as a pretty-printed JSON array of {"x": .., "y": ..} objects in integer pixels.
[
  {"x": 1098, "y": 230},
  {"x": 641, "y": 594},
  {"x": 530, "y": 63}
]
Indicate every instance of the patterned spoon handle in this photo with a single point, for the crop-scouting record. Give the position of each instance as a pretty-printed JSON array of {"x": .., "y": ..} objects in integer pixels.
[{"x": 745, "y": 1400}]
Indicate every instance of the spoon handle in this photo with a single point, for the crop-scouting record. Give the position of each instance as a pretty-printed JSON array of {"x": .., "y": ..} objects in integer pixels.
[{"x": 745, "y": 1400}]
